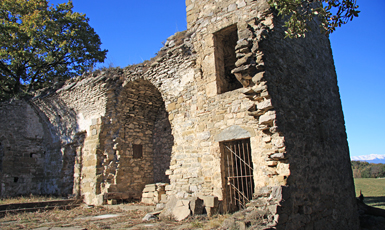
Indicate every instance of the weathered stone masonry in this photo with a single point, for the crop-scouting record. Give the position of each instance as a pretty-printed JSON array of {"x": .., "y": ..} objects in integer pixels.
[{"x": 230, "y": 79}]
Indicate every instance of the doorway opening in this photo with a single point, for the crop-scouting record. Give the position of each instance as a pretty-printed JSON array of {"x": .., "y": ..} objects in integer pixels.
[{"x": 237, "y": 171}]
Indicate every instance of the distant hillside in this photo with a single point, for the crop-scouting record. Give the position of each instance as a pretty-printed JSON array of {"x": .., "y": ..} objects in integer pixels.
[
  {"x": 376, "y": 161},
  {"x": 371, "y": 158},
  {"x": 362, "y": 169}
]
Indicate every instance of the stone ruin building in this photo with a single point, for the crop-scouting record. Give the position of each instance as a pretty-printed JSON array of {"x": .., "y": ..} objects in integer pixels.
[{"x": 228, "y": 111}]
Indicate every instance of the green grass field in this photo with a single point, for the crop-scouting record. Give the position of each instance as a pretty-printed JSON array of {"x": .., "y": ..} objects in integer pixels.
[{"x": 373, "y": 191}]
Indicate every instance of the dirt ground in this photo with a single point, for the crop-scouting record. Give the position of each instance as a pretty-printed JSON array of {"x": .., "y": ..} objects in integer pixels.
[{"x": 124, "y": 216}]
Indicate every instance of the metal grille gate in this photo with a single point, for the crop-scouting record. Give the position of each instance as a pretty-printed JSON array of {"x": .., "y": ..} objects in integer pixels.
[{"x": 238, "y": 169}]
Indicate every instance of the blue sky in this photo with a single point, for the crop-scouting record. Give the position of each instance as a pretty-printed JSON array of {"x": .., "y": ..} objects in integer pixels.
[
  {"x": 133, "y": 31},
  {"x": 359, "y": 55}
]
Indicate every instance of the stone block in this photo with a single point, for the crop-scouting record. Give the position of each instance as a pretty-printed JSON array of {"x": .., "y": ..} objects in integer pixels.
[
  {"x": 189, "y": 7},
  {"x": 148, "y": 195},
  {"x": 171, "y": 106},
  {"x": 232, "y": 7},
  {"x": 278, "y": 156},
  {"x": 232, "y": 133},
  {"x": 211, "y": 89},
  {"x": 210, "y": 201},
  {"x": 241, "y": 3},
  {"x": 161, "y": 186},
  {"x": 272, "y": 163},
  {"x": 148, "y": 200},
  {"x": 168, "y": 209},
  {"x": 259, "y": 88},
  {"x": 268, "y": 117},
  {"x": 149, "y": 189},
  {"x": 264, "y": 105},
  {"x": 160, "y": 206},
  {"x": 163, "y": 198},
  {"x": 181, "y": 210}
]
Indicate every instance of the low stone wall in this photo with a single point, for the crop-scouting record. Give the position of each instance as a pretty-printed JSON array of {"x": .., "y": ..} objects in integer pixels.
[{"x": 154, "y": 193}]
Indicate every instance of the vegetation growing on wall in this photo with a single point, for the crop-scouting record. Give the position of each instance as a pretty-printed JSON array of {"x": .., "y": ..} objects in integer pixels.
[{"x": 331, "y": 13}]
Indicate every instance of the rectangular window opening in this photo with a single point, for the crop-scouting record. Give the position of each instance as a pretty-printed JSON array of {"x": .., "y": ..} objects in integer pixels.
[
  {"x": 138, "y": 151},
  {"x": 225, "y": 41}
]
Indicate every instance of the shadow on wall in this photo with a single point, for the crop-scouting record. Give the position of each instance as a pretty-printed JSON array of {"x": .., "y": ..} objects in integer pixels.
[
  {"x": 135, "y": 139},
  {"x": 163, "y": 142},
  {"x": 305, "y": 97},
  {"x": 62, "y": 143},
  {"x": 30, "y": 155}
]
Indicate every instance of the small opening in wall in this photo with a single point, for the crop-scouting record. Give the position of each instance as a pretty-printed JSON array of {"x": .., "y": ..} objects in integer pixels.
[
  {"x": 15, "y": 179},
  {"x": 31, "y": 155},
  {"x": 138, "y": 151},
  {"x": 225, "y": 41}
]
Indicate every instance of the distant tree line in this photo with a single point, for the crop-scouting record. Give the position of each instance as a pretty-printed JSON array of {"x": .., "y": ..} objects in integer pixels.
[{"x": 362, "y": 169}]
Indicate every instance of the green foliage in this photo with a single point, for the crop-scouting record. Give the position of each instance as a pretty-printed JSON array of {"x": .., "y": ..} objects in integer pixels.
[
  {"x": 331, "y": 13},
  {"x": 41, "y": 44},
  {"x": 362, "y": 169}
]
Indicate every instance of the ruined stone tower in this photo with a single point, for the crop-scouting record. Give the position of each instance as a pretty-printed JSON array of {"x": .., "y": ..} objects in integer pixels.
[{"x": 228, "y": 110}]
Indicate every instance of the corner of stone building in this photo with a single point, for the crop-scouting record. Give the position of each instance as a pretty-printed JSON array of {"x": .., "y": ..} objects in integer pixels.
[
  {"x": 303, "y": 116},
  {"x": 295, "y": 163}
]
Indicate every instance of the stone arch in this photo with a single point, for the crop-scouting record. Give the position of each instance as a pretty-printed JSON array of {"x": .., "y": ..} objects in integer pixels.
[{"x": 136, "y": 140}]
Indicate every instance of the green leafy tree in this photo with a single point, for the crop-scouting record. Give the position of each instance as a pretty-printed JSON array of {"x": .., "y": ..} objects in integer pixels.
[
  {"x": 42, "y": 44},
  {"x": 362, "y": 169},
  {"x": 331, "y": 13}
]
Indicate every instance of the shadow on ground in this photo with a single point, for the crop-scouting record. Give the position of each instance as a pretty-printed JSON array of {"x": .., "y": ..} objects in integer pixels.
[{"x": 375, "y": 201}]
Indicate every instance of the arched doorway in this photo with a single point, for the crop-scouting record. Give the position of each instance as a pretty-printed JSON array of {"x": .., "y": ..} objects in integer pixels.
[{"x": 136, "y": 140}]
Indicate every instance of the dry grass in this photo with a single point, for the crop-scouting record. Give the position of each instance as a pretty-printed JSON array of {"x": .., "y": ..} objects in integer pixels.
[
  {"x": 74, "y": 217},
  {"x": 84, "y": 217},
  {"x": 373, "y": 190},
  {"x": 28, "y": 199},
  {"x": 216, "y": 221}
]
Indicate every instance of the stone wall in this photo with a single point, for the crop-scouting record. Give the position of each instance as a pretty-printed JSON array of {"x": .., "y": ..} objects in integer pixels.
[
  {"x": 72, "y": 113},
  {"x": 306, "y": 99},
  {"x": 297, "y": 119},
  {"x": 54, "y": 125},
  {"x": 22, "y": 151},
  {"x": 231, "y": 77},
  {"x": 130, "y": 121}
]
